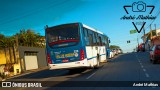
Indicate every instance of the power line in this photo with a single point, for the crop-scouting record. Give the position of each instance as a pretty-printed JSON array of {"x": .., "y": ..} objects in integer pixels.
[
  {"x": 31, "y": 13},
  {"x": 28, "y": 14}
]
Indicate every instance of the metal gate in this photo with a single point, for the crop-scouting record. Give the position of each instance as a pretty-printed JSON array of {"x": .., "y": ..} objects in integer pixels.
[{"x": 31, "y": 60}]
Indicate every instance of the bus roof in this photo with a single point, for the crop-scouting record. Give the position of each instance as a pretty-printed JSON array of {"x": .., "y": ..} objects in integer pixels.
[
  {"x": 83, "y": 26},
  {"x": 92, "y": 29}
]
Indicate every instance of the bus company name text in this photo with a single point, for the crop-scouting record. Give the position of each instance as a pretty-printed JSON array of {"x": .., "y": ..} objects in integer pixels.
[{"x": 65, "y": 55}]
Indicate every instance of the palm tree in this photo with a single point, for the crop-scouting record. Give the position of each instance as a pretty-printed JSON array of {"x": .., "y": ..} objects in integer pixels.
[
  {"x": 4, "y": 45},
  {"x": 7, "y": 43},
  {"x": 22, "y": 38},
  {"x": 11, "y": 44},
  {"x": 1, "y": 41},
  {"x": 29, "y": 38}
]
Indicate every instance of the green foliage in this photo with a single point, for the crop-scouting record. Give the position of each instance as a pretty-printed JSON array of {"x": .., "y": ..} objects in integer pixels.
[
  {"x": 114, "y": 46},
  {"x": 29, "y": 38},
  {"x": 24, "y": 38}
]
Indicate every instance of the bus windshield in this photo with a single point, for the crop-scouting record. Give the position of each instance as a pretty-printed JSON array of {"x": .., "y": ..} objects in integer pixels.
[{"x": 63, "y": 34}]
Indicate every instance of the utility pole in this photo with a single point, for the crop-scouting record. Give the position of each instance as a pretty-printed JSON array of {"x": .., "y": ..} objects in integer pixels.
[
  {"x": 144, "y": 35},
  {"x": 155, "y": 26},
  {"x": 151, "y": 31},
  {"x": 155, "y": 29},
  {"x": 137, "y": 41},
  {"x": 151, "y": 35},
  {"x": 137, "y": 48},
  {"x": 144, "y": 38}
]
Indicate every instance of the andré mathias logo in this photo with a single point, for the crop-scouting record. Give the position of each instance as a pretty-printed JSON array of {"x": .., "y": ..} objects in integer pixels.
[{"x": 138, "y": 8}]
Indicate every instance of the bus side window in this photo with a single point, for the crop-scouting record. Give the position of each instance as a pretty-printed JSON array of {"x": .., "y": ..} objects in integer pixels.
[
  {"x": 100, "y": 39},
  {"x": 94, "y": 39},
  {"x": 98, "y": 43},
  {"x": 107, "y": 42},
  {"x": 91, "y": 39},
  {"x": 104, "y": 40},
  {"x": 85, "y": 31}
]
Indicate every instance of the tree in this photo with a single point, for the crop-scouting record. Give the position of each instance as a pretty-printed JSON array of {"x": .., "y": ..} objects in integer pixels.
[
  {"x": 2, "y": 40},
  {"x": 7, "y": 44},
  {"x": 3, "y": 43},
  {"x": 28, "y": 38},
  {"x": 11, "y": 46},
  {"x": 24, "y": 38},
  {"x": 114, "y": 46},
  {"x": 41, "y": 41}
]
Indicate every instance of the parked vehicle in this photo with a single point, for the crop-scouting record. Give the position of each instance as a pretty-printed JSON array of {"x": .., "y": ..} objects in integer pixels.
[
  {"x": 141, "y": 47},
  {"x": 115, "y": 51},
  {"x": 110, "y": 54},
  {"x": 119, "y": 51},
  {"x": 155, "y": 54}
]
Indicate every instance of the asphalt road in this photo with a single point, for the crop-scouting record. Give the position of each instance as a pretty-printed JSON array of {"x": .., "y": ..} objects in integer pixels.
[{"x": 117, "y": 74}]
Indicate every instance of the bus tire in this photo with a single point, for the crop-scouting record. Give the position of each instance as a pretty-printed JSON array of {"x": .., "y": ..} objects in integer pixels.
[{"x": 71, "y": 71}]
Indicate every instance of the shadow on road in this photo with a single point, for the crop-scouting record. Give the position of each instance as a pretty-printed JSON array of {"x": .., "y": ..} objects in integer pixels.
[
  {"x": 52, "y": 73},
  {"x": 55, "y": 73}
]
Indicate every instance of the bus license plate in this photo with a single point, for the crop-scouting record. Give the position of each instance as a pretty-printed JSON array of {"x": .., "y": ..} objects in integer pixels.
[{"x": 66, "y": 60}]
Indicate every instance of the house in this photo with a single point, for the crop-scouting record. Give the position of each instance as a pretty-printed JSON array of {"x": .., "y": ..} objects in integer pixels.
[
  {"x": 151, "y": 38},
  {"x": 27, "y": 58}
]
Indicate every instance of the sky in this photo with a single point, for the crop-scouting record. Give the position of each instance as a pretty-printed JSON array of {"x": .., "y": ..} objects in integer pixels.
[{"x": 103, "y": 15}]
